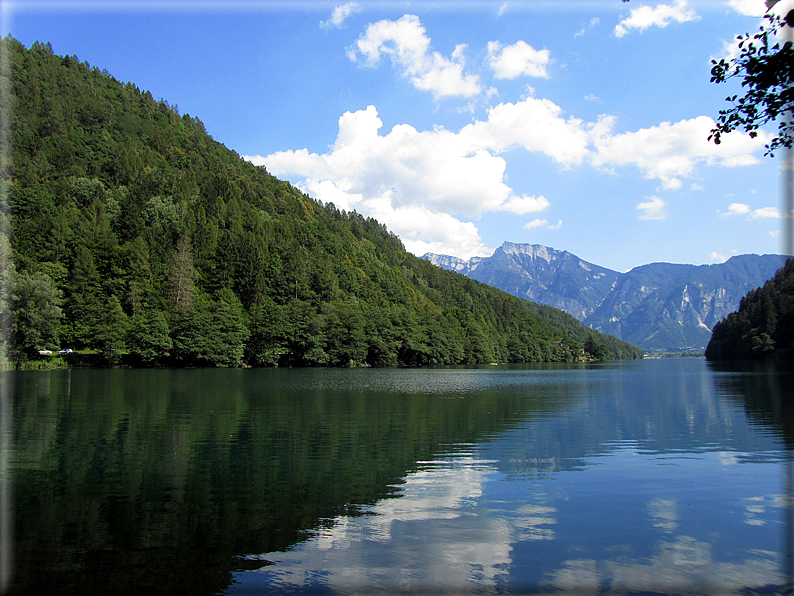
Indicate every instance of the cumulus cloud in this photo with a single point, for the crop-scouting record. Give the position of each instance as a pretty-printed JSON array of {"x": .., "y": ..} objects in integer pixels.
[
  {"x": 523, "y": 205},
  {"x": 428, "y": 186},
  {"x": 643, "y": 17},
  {"x": 652, "y": 209},
  {"x": 737, "y": 209},
  {"x": 339, "y": 15},
  {"x": 536, "y": 223},
  {"x": 537, "y": 125},
  {"x": 750, "y": 8},
  {"x": 406, "y": 44},
  {"x": 519, "y": 59},
  {"x": 671, "y": 151},
  {"x": 766, "y": 213},
  {"x": 417, "y": 183},
  {"x": 422, "y": 230},
  {"x": 442, "y": 171},
  {"x": 542, "y": 223}
]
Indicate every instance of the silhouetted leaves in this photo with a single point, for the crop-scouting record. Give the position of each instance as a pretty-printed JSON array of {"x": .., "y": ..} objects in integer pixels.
[{"x": 767, "y": 74}]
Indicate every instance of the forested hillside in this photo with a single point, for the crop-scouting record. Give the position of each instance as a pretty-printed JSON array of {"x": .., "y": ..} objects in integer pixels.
[
  {"x": 763, "y": 326},
  {"x": 132, "y": 231}
]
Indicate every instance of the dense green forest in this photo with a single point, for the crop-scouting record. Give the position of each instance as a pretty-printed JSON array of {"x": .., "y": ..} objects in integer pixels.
[
  {"x": 128, "y": 230},
  {"x": 763, "y": 327}
]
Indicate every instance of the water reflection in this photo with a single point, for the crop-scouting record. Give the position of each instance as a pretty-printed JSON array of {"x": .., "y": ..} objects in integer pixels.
[
  {"x": 435, "y": 535},
  {"x": 450, "y": 532},
  {"x": 635, "y": 487},
  {"x": 682, "y": 566},
  {"x": 644, "y": 476}
]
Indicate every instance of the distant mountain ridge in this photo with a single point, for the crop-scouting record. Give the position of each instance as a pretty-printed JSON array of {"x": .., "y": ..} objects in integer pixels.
[{"x": 657, "y": 306}]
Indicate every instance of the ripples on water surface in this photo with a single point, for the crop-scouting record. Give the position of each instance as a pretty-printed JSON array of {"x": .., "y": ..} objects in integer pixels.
[{"x": 665, "y": 476}]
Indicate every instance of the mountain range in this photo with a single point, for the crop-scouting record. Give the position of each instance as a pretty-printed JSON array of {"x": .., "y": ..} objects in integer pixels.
[{"x": 658, "y": 306}]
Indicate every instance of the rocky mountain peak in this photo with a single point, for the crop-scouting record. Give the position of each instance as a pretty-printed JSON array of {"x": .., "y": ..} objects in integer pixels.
[{"x": 653, "y": 306}]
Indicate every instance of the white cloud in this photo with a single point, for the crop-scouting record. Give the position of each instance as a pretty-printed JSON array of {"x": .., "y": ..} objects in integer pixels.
[
  {"x": 718, "y": 257},
  {"x": 525, "y": 204},
  {"x": 501, "y": 10},
  {"x": 406, "y": 44},
  {"x": 652, "y": 209},
  {"x": 766, "y": 213},
  {"x": 591, "y": 97},
  {"x": 339, "y": 15},
  {"x": 408, "y": 178},
  {"x": 423, "y": 231},
  {"x": 537, "y": 125},
  {"x": 593, "y": 22},
  {"x": 753, "y": 8},
  {"x": 750, "y": 8},
  {"x": 542, "y": 223},
  {"x": 643, "y": 17},
  {"x": 761, "y": 213},
  {"x": 730, "y": 50},
  {"x": 519, "y": 59},
  {"x": 536, "y": 223},
  {"x": 416, "y": 183},
  {"x": 737, "y": 209},
  {"x": 671, "y": 151},
  {"x": 782, "y": 7}
]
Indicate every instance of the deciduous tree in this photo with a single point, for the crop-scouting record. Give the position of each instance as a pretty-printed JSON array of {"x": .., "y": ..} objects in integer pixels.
[
  {"x": 37, "y": 314},
  {"x": 766, "y": 67}
]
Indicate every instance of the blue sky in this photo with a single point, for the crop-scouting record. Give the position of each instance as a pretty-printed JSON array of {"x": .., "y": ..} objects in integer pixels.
[{"x": 580, "y": 125}]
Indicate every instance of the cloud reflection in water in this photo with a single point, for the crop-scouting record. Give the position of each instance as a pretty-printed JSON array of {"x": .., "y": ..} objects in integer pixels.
[{"x": 444, "y": 533}]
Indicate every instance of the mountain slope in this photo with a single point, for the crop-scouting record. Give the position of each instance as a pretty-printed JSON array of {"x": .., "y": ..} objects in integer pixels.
[
  {"x": 662, "y": 305},
  {"x": 133, "y": 230},
  {"x": 762, "y": 326},
  {"x": 654, "y": 306}
]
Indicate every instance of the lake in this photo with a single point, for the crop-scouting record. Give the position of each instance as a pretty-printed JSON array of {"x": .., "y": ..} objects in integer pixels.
[{"x": 655, "y": 476}]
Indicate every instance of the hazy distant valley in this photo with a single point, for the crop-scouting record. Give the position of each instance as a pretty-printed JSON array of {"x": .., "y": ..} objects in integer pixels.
[{"x": 659, "y": 306}]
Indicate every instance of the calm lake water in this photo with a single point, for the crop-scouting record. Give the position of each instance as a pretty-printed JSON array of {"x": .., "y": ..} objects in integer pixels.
[{"x": 662, "y": 476}]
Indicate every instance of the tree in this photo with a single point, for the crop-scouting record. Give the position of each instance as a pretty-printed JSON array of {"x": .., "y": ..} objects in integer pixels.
[
  {"x": 149, "y": 337},
  {"x": 596, "y": 348},
  {"x": 37, "y": 314},
  {"x": 182, "y": 273},
  {"x": 110, "y": 331},
  {"x": 7, "y": 273},
  {"x": 212, "y": 332},
  {"x": 767, "y": 73},
  {"x": 268, "y": 333},
  {"x": 344, "y": 329}
]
